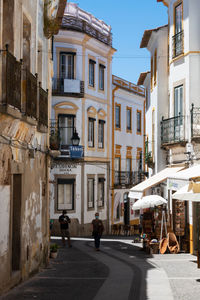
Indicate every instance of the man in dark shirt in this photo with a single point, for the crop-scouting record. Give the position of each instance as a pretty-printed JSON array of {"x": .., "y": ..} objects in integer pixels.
[
  {"x": 98, "y": 229},
  {"x": 64, "y": 227}
]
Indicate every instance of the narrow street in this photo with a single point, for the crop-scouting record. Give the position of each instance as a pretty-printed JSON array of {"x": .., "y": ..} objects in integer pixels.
[{"x": 119, "y": 271}]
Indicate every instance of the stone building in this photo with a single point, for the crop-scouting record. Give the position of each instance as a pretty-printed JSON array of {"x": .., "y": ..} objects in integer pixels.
[
  {"x": 25, "y": 77},
  {"x": 80, "y": 138}
]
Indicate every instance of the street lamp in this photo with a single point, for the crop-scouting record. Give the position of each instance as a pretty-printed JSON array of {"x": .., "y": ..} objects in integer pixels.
[{"x": 75, "y": 138}]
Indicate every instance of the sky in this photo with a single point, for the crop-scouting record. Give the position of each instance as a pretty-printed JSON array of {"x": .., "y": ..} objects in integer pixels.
[{"x": 128, "y": 19}]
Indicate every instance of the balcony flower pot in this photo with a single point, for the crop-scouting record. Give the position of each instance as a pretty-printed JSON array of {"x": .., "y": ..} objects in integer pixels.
[
  {"x": 53, "y": 250},
  {"x": 54, "y": 141}
]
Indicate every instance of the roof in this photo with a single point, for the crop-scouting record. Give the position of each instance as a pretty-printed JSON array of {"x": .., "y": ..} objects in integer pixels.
[
  {"x": 142, "y": 78},
  {"x": 137, "y": 191},
  {"x": 164, "y": 2},
  {"x": 128, "y": 86},
  {"x": 147, "y": 35}
]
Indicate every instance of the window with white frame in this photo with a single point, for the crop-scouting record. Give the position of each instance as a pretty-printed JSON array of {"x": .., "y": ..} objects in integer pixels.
[
  {"x": 91, "y": 123},
  {"x": 90, "y": 185},
  {"x": 101, "y": 134},
  {"x": 67, "y": 65},
  {"x": 101, "y": 77},
  {"x": 65, "y": 194},
  {"x": 91, "y": 72},
  {"x": 101, "y": 191}
]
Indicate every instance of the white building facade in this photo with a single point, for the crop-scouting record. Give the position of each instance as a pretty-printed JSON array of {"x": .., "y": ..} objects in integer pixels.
[
  {"x": 128, "y": 109},
  {"x": 180, "y": 125},
  {"x": 81, "y": 105}
]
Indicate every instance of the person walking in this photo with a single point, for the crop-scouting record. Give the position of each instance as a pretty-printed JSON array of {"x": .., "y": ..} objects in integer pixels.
[
  {"x": 64, "y": 227},
  {"x": 97, "y": 230}
]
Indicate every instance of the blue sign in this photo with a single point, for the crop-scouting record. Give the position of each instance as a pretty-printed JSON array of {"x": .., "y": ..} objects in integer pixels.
[{"x": 76, "y": 151}]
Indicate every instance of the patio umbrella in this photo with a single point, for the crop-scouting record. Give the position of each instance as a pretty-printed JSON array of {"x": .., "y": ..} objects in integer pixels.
[
  {"x": 189, "y": 192},
  {"x": 149, "y": 201}
]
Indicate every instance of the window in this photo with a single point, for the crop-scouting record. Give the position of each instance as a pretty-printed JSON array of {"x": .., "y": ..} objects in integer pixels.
[
  {"x": 155, "y": 67},
  {"x": 178, "y": 30},
  {"x": 66, "y": 129},
  {"x": 139, "y": 121},
  {"x": 101, "y": 191},
  {"x": 101, "y": 134},
  {"x": 128, "y": 170},
  {"x": 178, "y": 105},
  {"x": 128, "y": 119},
  {"x": 101, "y": 77},
  {"x": 91, "y": 123},
  {"x": 178, "y": 18},
  {"x": 139, "y": 159},
  {"x": 90, "y": 192},
  {"x": 117, "y": 170},
  {"x": 65, "y": 188},
  {"x": 178, "y": 100},
  {"x": 91, "y": 72},
  {"x": 117, "y": 116},
  {"x": 67, "y": 65}
]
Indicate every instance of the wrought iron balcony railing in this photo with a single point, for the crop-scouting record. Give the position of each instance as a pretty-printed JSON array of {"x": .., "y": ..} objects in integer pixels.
[
  {"x": 74, "y": 23},
  {"x": 31, "y": 94},
  {"x": 195, "y": 122},
  {"x": 173, "y": 130},
  {"x": 60, "y": 139},
  {"x": 128, "y": 178},
  {"x": 43, "y": 107},
  {"x": 68, "y": 87},
  {"x": 12, "y": 72},
  {"x": 177, "y": 44}
]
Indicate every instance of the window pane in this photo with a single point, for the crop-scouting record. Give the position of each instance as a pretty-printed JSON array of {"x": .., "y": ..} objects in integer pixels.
[
  {"x": 91, "y": 73},
  {"x": 128, "y": 164},
  {"x": 90, "y": 193},
  {"x": 101, "y": 77},
  {"x": 138, "y": 121},
  {"x": 178, "y": 18},
  {"x": 66, "y": 129},
  {"x": 65, "y": 196},
  {"x": 101, "y": 135},
  {"x": 128, "y": 119},
  {"x": 101, "y": 193},
  {"x": 117, "y": 116},
  {"x": 91, "y": 133}
]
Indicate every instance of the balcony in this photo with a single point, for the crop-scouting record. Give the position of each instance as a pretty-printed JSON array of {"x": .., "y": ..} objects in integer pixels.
[
  {"x": 127, "y": 179},
  {"x": 68, "y": 87},
  {"x": 195, "y": 122},
  {"x": 22, "y": 96},
  {"x": 11, "y": 82},
  {"x": 177, "y": 44},
  {"x": 60, "y": 139},
  {"x": 173, "y": 130},
  {"x": 43, "y": 107},
  {"x": 31, "y": 94}
]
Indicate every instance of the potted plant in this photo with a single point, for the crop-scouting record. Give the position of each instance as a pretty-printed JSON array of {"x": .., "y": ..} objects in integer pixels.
[
  {"x": 53, "y": 250},
  {"x": 54, "y": 140},
  {"x": 149, "y": 160}
]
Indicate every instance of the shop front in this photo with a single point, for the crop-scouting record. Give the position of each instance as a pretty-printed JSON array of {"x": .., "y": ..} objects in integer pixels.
[{"x": 185, "y": 208}]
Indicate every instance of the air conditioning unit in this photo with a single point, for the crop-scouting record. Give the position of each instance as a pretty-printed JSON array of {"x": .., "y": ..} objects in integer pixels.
[
  {"x": 90, "y": 204},
  {"x": 90, "y": 143}
]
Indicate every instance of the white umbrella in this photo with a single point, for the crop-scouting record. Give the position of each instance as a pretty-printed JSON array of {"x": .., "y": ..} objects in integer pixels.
[
  {"x": 149, "y": 201},
  {"x": 187, "y": 193}
]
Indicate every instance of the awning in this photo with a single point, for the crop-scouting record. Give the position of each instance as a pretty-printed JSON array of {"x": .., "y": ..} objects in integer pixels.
[
  {"x": 189, "y": 192},
  {"x": 187, "y": 174},
  {"x": 178, "y": 180},
  {"x": 137, "y": 191}
]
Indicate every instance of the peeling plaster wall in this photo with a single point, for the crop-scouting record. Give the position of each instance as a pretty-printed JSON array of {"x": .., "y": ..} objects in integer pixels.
[{"x": 4, "y": 218}]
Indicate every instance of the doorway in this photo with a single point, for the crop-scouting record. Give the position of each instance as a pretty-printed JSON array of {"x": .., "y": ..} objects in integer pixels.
[
  {"x": 126, "y": 209},
  {"x": 16, "y": 222}
]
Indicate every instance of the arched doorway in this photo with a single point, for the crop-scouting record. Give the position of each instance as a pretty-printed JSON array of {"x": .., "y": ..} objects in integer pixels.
[{"x": 126, "y": 209}]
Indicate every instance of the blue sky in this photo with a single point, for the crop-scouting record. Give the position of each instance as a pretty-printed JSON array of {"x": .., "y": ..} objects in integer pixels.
[{"x": 128, "y": 20}]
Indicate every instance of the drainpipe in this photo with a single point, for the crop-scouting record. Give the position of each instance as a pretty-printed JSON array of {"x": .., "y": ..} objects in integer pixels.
[{"x": 113, "y": 153}]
